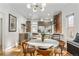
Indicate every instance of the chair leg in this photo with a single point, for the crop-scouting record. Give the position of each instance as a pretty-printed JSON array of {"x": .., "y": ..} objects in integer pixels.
[
  {"x": 61, "y": 51},
  {"x": 51, "y": 54},
  {"x": 55, "y": 54},
  {"x": 33, "y": 53},
  {"x": 59, "y": 54},
  {"x": 24, "y": 54},
  {"x": 30, "y": 54}
]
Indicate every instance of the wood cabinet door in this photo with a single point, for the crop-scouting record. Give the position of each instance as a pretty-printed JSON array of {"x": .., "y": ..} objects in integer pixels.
[
  {"x": 58, "y": 23},
  {"x": 28, "y": 26}
]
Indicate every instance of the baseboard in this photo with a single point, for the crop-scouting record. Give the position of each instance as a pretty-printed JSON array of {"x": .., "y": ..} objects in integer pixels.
[{"x": 9, "y": 48}]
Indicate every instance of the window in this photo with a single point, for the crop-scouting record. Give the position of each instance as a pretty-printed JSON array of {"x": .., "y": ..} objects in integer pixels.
[
  {"x": 71, "y": 20},
  {"x": 71, "y": 26}
]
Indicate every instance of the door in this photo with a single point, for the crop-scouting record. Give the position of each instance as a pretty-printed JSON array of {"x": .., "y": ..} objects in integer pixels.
[{"x": 0, "y": 36}]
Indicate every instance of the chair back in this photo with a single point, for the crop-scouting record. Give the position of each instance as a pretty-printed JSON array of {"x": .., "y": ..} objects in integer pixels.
[
  {"x": 57, "y": 36},
  {"x": 27, "y": 49},
  {"x": 61, "y": 44},
  {"x": 24, "y": 45},
  {"x": 44, "y": 52}
]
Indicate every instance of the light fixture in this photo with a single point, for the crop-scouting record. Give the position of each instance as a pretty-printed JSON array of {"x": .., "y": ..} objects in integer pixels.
[
  {"x": 36, "y": 6},
  {"x": 48, "y": 14},
  {"x": 28, "y": 6}
]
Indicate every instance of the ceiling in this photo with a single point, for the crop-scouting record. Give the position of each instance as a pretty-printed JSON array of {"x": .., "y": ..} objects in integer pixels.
[
  {"x": 50, "y": 10},
  {"x": 28, "y": 13}
]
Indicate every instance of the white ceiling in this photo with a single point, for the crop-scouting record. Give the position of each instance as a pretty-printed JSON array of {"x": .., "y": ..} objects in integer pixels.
[
  {"x": 51, "y": 8},
  {"x": 28, "y": 13}
]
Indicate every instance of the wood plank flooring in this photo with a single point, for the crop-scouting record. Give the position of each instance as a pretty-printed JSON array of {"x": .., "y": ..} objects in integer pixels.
[{"x": 17, "y": 51}]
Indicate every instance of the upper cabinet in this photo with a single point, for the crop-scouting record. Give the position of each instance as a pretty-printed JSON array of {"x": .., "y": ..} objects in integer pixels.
[
  {"x": 28, "y": 26},
  {"x": 58, "y": 23},
  {"x": 34, "y": 27},
  {"x": 39, "y": 26}
]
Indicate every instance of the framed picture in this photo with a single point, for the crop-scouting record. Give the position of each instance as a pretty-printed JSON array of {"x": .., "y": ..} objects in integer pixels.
[{"x": 12, "y": 23}]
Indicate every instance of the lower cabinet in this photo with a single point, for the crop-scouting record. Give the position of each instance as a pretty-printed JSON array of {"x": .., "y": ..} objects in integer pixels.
[
  {"x": 23, "y": 36},
  {"x": 73, "y": 49}
]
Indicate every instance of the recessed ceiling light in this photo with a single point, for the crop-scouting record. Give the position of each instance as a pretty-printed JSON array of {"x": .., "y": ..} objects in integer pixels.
[
  {"x": 42, "y": 9},
  {"x": 48, "y": 14},
  {"x": 28, "y": 6},
  {"x": 51, "y": 19},
  {"x": 43, "y": 4},
  {"x": 41, "y": 19}
]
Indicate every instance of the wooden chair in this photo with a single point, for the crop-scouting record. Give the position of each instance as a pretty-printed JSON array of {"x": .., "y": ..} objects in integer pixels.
[
  {"x": 44, "y": 52},
  {"x": 60, "y": 48},
  {"x": 57, "y": 36},
  {"x": 26, "y": 49}
]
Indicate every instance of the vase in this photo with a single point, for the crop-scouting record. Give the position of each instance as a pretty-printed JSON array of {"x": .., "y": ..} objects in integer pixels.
[{"x": 42, "y": 38}]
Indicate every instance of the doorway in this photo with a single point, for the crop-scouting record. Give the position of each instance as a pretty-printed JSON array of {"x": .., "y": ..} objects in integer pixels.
[{"x": 1, "y": 50}]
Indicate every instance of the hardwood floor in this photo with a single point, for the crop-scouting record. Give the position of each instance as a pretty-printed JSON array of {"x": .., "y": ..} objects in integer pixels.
[{"x": 17, "y": 51}]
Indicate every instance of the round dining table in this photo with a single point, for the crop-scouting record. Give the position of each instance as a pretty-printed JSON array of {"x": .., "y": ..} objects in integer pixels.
[{"x": 46, "y": 44}]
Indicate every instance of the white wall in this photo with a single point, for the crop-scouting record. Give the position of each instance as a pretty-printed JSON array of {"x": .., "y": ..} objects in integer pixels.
[
  {"x": 67, "y": 11},
  {"x": 10, "y": 38}
]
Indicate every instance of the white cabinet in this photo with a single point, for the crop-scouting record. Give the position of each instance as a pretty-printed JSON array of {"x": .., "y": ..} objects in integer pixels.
[{"x": 34, "y": 26}]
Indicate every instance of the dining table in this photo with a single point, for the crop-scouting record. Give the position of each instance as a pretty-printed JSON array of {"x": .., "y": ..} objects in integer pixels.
[{"x": 46, "y": 44}]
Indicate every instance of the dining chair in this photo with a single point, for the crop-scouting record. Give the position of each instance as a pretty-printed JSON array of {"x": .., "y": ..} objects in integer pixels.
[
  {"x": 24, "y": 46},
  {"x": 60, "y": 48},
  {"x": 52, "y": 50},
  {"x": 27, "y": 49},
  {"x": 44, "y": 52},
  {"x": 31, "y": 49},
  {"x": 57, "y": 36}
]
